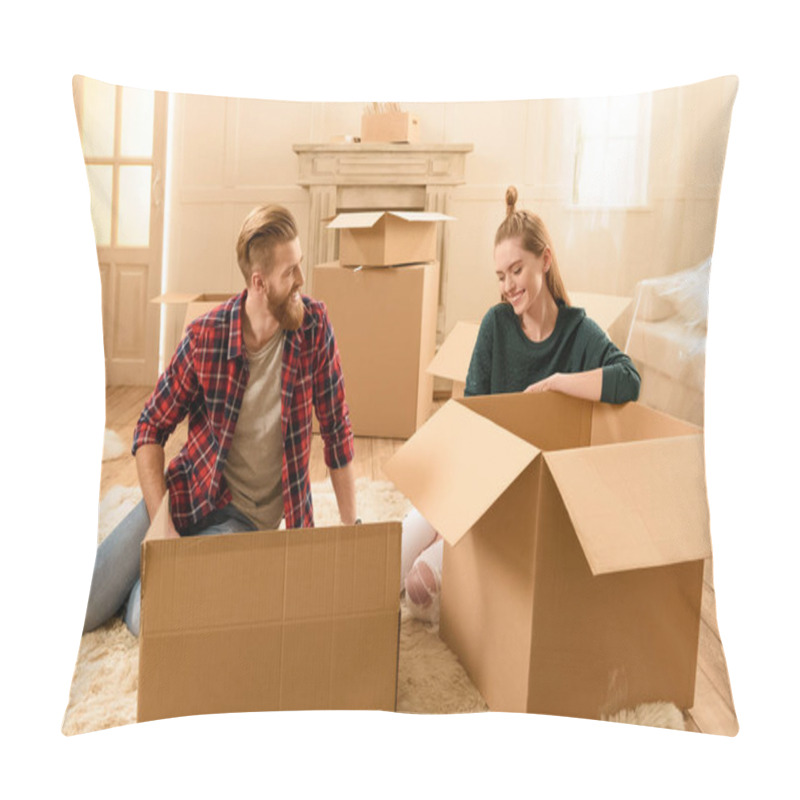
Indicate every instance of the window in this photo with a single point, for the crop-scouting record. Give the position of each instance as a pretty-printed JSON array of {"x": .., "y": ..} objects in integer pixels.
[
  {"x": 116, "y": 125},
  {"x": 612, "y": 151}
]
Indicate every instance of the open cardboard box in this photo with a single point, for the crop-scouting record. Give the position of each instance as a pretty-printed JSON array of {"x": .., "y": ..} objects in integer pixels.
[
  {"x": 197, "y": 303},
  {"x": 267, "y": 621},
  {"x": 452, "y": 359},
  {"x": 575, "y": 539},
  {"x": 387, "y": 238},
  {"x": 384, "y": 321}
]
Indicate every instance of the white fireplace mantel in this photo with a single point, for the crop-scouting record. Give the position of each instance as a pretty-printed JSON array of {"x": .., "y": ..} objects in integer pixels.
[{"x": 361, "y": 176}]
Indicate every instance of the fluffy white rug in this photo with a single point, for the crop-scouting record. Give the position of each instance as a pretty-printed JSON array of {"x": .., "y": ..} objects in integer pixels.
[
  {"x": 430, "y": 678},
  {"x": 113, "y": 446},
  {"x": 653, "y": 715}
]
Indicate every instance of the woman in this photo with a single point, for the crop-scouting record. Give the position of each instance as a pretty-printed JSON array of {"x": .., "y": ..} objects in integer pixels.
[{"x": 532, "y": 341}]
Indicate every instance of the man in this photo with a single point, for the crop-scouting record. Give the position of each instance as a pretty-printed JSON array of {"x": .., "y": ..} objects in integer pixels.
[{"x": 247, "y": 374}]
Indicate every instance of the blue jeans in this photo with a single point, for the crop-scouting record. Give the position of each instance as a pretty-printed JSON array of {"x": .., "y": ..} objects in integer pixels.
[{"x": 115, "y": 581}]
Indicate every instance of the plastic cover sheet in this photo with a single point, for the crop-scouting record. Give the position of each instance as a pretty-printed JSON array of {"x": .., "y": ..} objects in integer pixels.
[{"x": 667, "y": 341}]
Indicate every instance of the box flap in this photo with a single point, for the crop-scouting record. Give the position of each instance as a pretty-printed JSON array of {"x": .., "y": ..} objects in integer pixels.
[
  {"x": 366, "y": 219},
  {"x": 604, "y": 309},
  {"x": 355, "y": 219},
  {"x": 453, "y": 357},
  {"x": 638, "y": 504},
  {"x": 455, "y": 467},
  {"x": 193, "y": 297},
  {"x": 176, "y": 297},
  {"x": 421, "y": 216},
  {"x": 632, "y": 422}
]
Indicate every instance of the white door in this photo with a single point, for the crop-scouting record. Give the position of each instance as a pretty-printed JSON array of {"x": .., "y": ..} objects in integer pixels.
[{"x": 124, "y": 139}]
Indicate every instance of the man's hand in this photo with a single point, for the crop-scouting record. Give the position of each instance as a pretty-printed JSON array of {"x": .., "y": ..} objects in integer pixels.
[
  {"x": 150, "y": 468},
  {"x": 166, "y": 530}
]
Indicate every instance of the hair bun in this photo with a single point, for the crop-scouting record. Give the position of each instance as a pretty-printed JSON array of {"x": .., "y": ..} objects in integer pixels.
[{"x": 511, "y": 200}]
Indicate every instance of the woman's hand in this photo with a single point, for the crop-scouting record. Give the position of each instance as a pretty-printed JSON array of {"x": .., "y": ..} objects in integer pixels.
[
  {"x": 552, "y": 383},
  {"x": 584, "y": 385}
]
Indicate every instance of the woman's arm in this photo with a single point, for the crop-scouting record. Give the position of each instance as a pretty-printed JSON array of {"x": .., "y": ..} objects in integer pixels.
[
  {"x": 584, "y": 385},
  {"x": 480, "y": 365},
  {"x": 619, "y": 380}
]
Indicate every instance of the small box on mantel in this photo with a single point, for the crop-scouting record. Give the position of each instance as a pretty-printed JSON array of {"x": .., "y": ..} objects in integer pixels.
[{"x": 398, "y": 127}]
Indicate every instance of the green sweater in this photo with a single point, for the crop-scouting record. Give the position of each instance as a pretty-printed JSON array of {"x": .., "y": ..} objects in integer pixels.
[{"x": 505, "y": 360}]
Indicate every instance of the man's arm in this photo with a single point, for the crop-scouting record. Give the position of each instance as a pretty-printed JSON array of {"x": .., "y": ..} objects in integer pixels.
[
  {"x": 165, "y": 408},
  {"x": 150, "y": 469},
  {"x": 168, "y": 405},
  {"x": 344, "y": 487},
  {"x": 331, "y": 407}
]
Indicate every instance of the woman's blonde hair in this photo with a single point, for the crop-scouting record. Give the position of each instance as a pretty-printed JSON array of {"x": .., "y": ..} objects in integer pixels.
[{"x": 534, "y": 237}]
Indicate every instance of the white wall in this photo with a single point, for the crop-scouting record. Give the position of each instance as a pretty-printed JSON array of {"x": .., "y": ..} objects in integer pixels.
[{"x": 230, "y": 154}]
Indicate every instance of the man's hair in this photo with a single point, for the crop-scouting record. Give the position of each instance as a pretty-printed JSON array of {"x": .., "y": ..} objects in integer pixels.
[{"x": 263, "y": 228}]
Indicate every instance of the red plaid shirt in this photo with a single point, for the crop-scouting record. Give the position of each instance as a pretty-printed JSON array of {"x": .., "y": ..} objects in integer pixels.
[{"x": 206, "y": 379}]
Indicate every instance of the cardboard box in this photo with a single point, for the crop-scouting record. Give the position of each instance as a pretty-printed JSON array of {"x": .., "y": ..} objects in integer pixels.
[
  {"x": 604, "y": 309},
  {"x": 390, "y": 126},
  {"x": 268, "y": 621},
  {"x": 384, "y": 321},
  {"x": 387, "y": 238},
  {"x": 452, "y": 359},
  {"x": 197, "y": 304},
  {"x": 575, "y": 539}
]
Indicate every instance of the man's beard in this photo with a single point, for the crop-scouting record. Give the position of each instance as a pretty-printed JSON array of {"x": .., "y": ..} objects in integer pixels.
[{"x": 289, "y": 312}]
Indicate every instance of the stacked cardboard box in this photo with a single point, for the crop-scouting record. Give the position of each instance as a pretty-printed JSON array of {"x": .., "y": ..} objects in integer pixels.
[
  {"x": 382, "y": 297},
  {"x": 387, "y": 238}
]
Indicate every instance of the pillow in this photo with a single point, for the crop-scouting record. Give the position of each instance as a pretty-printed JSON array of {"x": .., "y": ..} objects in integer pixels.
[{"x": 607, "y": 192}]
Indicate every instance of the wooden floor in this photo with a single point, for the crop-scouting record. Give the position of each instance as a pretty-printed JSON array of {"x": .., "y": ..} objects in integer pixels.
[{"x": 713, "y": 711}]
